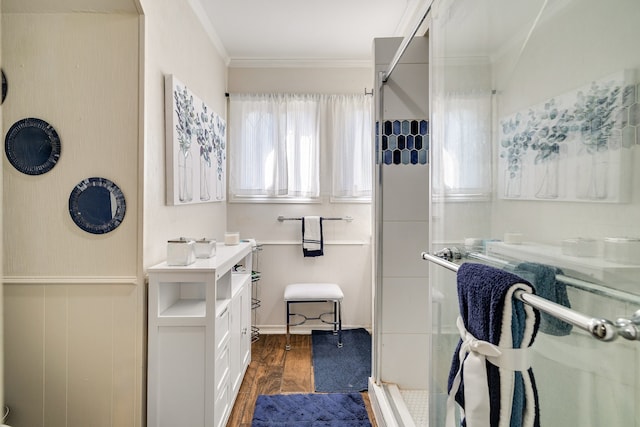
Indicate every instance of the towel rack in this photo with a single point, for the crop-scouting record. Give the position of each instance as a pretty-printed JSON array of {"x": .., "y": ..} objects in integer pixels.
[
  {"x": 346, "y": 218},
  {"x": 601, "y": 329},
  {"x": 621, "y": 296}
]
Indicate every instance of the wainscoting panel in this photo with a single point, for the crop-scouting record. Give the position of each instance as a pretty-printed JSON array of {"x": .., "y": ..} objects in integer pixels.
[{"x": 72, "y": 354}]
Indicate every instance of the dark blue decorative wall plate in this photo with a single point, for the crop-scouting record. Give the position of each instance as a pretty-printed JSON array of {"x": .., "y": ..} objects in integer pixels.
[
  {"x": 97, "y": 205},
  {"x": 32, "y": 146},
  {"x": 5, "y": 86}
]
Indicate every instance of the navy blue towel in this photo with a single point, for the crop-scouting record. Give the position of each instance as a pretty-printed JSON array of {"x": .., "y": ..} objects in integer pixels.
[
  {"x": 546, "y": 286},
  {"x": 482, "y": 292},
  {"x": 312, "y": 238}
]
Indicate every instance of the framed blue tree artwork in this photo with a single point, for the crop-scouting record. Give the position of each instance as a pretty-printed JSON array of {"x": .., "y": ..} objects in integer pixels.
[
  {"x": 195, "y": 147},
  {"x": 572, "y": 147}
]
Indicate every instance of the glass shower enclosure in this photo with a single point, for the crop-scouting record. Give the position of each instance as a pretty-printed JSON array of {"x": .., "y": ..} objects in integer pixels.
[{"x": 535, "y": 157}]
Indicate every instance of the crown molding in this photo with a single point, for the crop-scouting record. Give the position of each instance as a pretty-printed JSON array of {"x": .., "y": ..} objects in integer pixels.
[
  {"x": 299, "y": 63},
  {"x": 208, "y": 27}
]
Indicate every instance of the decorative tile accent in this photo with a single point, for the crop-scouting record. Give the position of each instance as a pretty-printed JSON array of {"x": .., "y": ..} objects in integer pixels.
[{"x": 404, "y": 142}]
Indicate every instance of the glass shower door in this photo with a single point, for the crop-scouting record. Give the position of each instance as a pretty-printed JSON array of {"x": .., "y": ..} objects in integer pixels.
[{"x": 535, "y": 152}]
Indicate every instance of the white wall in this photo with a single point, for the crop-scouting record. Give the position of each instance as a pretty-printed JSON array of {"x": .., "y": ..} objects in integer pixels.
[
  {"x": 176, "y": 43},
  {"x": 347, "y": 244},
  {"x": 73, "y": 300},
  {"x": 302, "y": 79},
  {"x": 77, "y": 86}
]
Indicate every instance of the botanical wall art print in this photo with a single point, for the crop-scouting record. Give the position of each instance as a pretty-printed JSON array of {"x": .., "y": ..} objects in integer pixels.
[
  {"x": 573, "y": 147},
  {"x": 196, "y": 147}
]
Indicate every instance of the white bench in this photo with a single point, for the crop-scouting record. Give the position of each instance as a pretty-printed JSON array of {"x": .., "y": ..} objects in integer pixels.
[{"x": 298, "y": 293}]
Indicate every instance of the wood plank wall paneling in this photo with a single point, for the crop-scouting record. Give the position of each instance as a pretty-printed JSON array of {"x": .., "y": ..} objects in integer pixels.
[{"x": 68, "y": 349}]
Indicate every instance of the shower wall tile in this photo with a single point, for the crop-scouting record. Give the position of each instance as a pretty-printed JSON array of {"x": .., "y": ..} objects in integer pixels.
[
  {"x": 406, "y": 93},
  {"x": 405, "y": 362},
  {"x": 402, "y": 244},
  {"x": 403, "y": 306},
  {"x": 403, "y": 142},
  {"x": 405, "y": 193}
]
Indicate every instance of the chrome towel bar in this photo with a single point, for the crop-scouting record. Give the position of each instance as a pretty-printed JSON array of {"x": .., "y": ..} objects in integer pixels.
[
  {"x": 346, "y": 218},
  {"x": 601, "y": 329},
  {"x": 590, "y": 287}
]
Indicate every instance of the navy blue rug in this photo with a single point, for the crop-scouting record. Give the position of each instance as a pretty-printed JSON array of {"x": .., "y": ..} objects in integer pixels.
[
  {"x": 345, "y": 369},
  {"x": 310, "y": 410}
]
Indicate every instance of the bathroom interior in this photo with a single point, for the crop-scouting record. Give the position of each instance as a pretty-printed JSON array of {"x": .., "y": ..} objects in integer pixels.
[{"x": 504, "y": 133}]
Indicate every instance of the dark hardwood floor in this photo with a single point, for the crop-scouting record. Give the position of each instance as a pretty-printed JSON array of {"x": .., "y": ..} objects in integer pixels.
[{"x": 276, "y": 371}]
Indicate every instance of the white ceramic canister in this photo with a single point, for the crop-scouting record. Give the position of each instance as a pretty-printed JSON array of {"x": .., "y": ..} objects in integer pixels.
[
  {"x": 473, "y": 244},
  {"x": 512, "y": 238},
  {"x": 623, "y": 250},
  {"x": 181, "y": 251},
  {"x": 580, "y": 247},
  {"x": 205, "y": 248},
  {"x": 231, "y": 238}
]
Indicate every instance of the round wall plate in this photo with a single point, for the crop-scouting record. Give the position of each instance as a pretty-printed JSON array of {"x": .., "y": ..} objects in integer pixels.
[
  {"x": 97, "y": 205},
  {"x": 32, "y": 146},
  {"x": 5, "y": 86}
]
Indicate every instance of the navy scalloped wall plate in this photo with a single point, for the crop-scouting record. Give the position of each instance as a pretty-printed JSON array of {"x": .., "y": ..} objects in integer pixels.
[
  {"x": 97, "y": 205},
  {"x": 32, "y": 146},
  {"x": 5, "y": 86}
]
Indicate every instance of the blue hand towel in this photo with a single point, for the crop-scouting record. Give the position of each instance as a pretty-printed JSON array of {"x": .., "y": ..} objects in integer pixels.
[
  {"x": 491, "y": 315},
  {"x": 546, "y": 286},
  {"x": 312, "y": 240}
]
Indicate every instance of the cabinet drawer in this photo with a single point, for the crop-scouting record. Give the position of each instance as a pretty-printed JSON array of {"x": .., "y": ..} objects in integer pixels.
[
  {"x": 222, "y": 368},
  {"x": 222, "y": 327},
  {"x": 221, "y": 407}
]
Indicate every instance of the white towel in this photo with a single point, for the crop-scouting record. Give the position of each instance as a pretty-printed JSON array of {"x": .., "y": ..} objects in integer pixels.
[{"x": 312, "y": 241}]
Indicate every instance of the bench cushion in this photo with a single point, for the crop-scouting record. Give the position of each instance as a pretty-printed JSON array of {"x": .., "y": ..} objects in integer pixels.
[{"x": 313, "y": 291}]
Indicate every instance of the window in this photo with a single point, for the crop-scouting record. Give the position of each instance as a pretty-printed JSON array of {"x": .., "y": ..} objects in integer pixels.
[
  {"x": 351, "y": 121},
  {"x": 276, "y": 142},
  {"x": 463, "y": 168}
]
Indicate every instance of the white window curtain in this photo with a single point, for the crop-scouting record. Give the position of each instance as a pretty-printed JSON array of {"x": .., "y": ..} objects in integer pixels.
[
  {"x": 350, "y": 132},
  {"x": 462, "y": 159},
  {"x": 274, "y": 148},
  {"x": 275, "y": 143}
]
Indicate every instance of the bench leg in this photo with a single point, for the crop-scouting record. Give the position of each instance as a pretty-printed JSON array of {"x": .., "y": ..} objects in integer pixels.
[
  {"x": 336, "y": 324},
  {"x": 339, "y": 310},
  {"x": 288, "y": 345}
]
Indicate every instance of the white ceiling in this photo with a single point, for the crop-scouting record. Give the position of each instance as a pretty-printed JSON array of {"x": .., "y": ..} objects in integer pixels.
[
  {"x": 274, "y": 31},
  {"x": 331, "y": 31}
]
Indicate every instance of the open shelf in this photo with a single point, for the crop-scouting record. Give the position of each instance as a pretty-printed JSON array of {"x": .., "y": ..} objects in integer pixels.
[
  {"x": 182, "y": 299},
  {"x": 185, "y": 308}
]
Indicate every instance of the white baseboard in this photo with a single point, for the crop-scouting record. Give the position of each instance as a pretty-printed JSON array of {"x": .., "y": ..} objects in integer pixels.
[{"x": 303, "y": 330}]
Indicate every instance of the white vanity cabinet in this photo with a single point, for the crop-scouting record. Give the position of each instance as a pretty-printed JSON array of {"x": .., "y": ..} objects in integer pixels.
[{"x": 199, "y": 339}]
